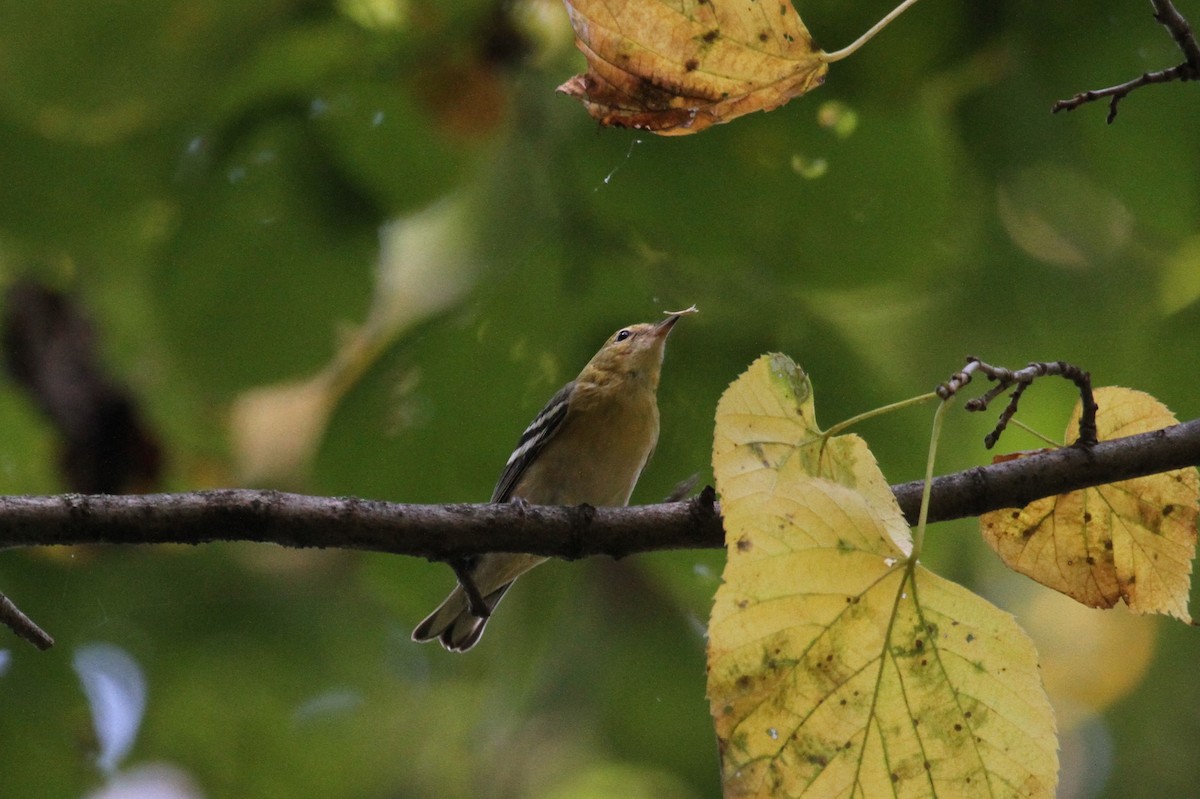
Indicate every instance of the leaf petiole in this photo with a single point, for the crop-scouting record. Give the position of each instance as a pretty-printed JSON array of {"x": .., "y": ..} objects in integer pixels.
[
  {"x": 923, "y": 516},
  {"x": 838, "y": 55},
  {"x": 1040, "y": 436},
  {"x": 871, "y": 414}
]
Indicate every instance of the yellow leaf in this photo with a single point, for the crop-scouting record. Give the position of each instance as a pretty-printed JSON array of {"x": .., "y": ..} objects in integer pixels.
[
  {"x": 1132, "y": 540},
  {"x": 767, "y": 426},
  {"x": 679, "y": 66},
  {"x": 837, "y": 667}
]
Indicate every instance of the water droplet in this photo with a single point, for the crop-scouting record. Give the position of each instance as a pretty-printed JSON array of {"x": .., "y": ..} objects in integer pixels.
[
  {"x": 629, "y": 153},
  {"x": 236, "y": 174},
  {"x": 904, "y": 595},
  {"x": 5, "y": 658},
  {"x": 889, "y": 562},
  {"x": 771, "y": 732},
  {"x": 194, "y": 160},
  {"x": 317, "y": 108},
  {"x": 377, "y": 119}
]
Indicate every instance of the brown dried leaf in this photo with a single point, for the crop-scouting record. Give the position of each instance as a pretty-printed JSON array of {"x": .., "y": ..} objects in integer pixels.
[
  {"x": 679, "y": 66},
  {"x": 1132, "y": 540}
]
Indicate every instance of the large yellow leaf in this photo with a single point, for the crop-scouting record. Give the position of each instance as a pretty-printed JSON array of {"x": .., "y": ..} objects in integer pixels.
[
  {"x": 1132, "y": 540},
  {"x": 679, "y": 66},
  {"x": 837, "y": 667},
  {"x": 767, "y": 426}
]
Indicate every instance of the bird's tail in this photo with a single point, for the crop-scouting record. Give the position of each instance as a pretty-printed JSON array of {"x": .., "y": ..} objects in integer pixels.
[{"x": 453, "y": 622}]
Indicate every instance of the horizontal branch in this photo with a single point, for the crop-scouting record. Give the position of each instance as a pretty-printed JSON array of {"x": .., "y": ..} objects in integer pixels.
[{"x": 445, "y": 532}]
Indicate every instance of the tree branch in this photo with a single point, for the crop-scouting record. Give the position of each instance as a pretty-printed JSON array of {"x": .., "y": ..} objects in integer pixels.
[
  {"x": 1170, "y": 18},
  {"x": 12, "y": 618},
  {"x": 446, "y": 532}
]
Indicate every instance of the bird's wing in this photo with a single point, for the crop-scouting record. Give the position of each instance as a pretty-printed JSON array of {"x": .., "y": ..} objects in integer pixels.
[{"x": 543, "y": 428}]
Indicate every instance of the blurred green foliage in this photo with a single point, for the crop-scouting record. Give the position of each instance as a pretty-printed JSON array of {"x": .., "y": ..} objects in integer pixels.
[{"x": 212, "y": 180}]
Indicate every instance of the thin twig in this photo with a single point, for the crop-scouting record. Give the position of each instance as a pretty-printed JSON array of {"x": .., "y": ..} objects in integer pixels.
[
  {"x": 1170, "y": 18},
  {"x": 1022, "y": 378},
  {"x": 12, "y": 617}
]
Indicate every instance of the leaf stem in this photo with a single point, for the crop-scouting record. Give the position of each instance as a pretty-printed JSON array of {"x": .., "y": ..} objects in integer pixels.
[
  {"x": 923, "y": 515},
  {"x": 871, "y": 414},
  {"x": 1037, "y": 434},
  {"x": 838, "y": 55}
]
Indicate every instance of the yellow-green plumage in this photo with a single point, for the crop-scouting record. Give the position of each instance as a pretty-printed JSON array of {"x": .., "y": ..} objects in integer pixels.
[{"x": 588, "y": 445}]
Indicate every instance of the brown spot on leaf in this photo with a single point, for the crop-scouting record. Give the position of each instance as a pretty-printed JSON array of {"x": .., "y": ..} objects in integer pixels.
[
  {"x": 744, "y": 544},
  {"x": 691, "y": 65}
]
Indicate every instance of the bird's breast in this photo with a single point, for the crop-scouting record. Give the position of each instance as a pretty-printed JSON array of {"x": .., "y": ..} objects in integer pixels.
[{"x": 596, "y": 457}]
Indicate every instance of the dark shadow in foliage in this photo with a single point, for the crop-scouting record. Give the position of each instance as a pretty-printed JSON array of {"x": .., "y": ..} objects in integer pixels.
[{"x": 50, "y": 351}]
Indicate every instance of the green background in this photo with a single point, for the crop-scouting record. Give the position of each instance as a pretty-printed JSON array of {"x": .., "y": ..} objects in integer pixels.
[{"x": 214, "y": 182}]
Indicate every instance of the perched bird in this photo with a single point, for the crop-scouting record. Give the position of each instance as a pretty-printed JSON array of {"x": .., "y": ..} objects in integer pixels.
[{"x": 588, "y": 445}]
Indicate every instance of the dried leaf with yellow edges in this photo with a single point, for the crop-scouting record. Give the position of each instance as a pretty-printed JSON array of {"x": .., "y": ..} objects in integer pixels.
[
  {"x": 675, "y": 67},
  {"x": 1133, "y": 540},
  {"x": 838, "y": 666}
]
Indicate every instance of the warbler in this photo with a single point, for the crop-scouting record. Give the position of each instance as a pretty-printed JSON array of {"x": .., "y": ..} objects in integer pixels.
[{"x": 588, "y": 445}]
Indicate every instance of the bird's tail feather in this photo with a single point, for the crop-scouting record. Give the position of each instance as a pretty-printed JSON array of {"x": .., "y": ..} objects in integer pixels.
[{"x": 453, "y": 622}]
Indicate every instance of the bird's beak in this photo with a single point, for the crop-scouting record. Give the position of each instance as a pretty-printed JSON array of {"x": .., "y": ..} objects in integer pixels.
[{"x": 664, "y": 327}]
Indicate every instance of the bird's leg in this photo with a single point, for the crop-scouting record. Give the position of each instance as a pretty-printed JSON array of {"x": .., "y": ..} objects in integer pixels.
[{"x": 475, "y": 602}]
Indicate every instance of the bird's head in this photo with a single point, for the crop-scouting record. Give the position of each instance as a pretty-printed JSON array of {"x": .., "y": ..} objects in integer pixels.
[{"x": 636, "y": 352}]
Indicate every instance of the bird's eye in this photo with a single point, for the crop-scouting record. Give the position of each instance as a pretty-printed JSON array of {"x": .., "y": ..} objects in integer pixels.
[{"x": 624, "y": 334}]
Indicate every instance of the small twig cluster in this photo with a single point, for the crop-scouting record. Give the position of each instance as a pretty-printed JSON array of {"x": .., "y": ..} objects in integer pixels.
[
  {"x": 1169, "y": 17},
  {"x": 1022, "y": 379}
]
